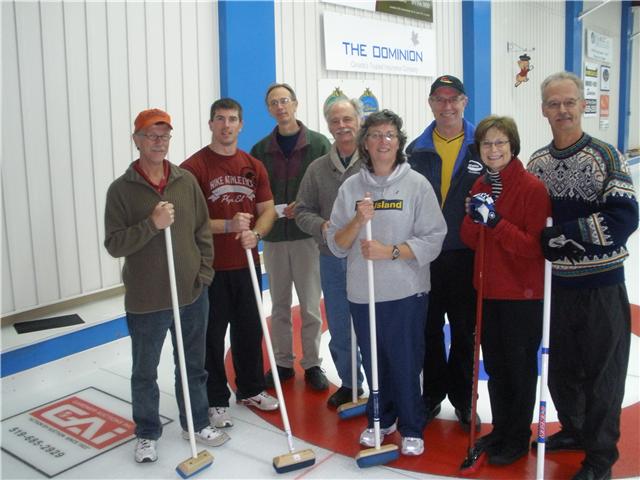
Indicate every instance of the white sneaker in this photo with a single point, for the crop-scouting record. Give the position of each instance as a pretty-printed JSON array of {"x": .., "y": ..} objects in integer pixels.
[
  {"x": 210, "y": 436},
  {"x": 146, "y": 450},
  {"x": 412, "y": 446},
  {"x": 368, "y": 438},
  {"x": 262, "y": 401},
  {"x": 220, "y": 417}
]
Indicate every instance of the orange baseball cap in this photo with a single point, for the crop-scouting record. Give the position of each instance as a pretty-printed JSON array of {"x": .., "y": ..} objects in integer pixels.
[{"x": 146, "y": 118}]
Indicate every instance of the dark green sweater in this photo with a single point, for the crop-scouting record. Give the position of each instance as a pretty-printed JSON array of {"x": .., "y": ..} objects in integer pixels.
[{"x": 285, "y": 174}]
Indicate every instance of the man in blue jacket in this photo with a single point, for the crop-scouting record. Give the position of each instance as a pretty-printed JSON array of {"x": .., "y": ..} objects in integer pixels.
[{"x": 446, "y": 155}]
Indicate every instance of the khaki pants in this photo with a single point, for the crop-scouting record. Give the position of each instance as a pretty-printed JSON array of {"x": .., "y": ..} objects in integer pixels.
[{"x": 296, "y": 263}]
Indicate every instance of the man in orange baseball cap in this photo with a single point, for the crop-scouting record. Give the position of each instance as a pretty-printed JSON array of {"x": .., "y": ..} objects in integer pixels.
[{"x": 150, "y": 196}]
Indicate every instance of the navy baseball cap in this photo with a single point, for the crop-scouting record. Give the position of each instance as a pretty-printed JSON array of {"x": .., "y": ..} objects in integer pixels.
[{"x": 447, "y": 81}]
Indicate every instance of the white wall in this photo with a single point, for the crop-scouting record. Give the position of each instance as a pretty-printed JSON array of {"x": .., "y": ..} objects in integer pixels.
[
  {"x": 605, "y": 20},
  {"x": 537, "y": 28},
  {"x": 300, "y": 59},
  {"x": 634, "y": 121},
  {"x": 74, "y": 75}
]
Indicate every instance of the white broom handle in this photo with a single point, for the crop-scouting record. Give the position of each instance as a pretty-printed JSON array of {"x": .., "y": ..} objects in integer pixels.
[
  {"x": 372, "y": 336},
  {"x": 267, "y": 341},
  {"x": 179, "y": 344},
  {"x": 544, "y": 389}
]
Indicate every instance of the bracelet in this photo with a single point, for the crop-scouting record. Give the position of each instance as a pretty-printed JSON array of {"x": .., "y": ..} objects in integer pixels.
[{"x": 227, "y": 224}]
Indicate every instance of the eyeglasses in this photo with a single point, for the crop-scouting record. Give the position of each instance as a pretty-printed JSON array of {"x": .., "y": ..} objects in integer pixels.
[
  {"x": 377, "y": 136},
  {"x": 445, "y": 100},
  {"x": 555, "y": 104},
  {"x": 154, "y": 138},
  {"x": 498, "y": 144},
  {"x": 279, "y": 101}
]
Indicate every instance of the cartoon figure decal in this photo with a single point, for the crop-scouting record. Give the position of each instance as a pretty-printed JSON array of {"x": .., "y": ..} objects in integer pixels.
[{"x": 525, "y": 67}]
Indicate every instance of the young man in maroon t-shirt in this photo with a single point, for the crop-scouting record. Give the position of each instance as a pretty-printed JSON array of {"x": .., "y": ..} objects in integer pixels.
[{"x": 241, "y": 212}]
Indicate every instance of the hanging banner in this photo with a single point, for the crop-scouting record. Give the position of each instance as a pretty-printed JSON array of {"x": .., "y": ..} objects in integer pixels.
[
  {"x": 418, "y": 9},
  {"x": 591, "y": 76},
  {"x": 355, "y": 44}
]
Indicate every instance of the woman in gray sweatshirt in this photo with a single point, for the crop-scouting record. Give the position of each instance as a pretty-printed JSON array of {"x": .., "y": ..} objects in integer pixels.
[{"x": 407, "y": 234}]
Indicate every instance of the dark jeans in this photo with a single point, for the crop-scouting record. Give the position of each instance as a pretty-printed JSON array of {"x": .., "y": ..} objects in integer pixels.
[
  {"x": 233, "y": 304},
  {"x": 400, "y": 346},
  {"x": 589, "y": 344},
  {"x": 148, "y": 331},
  {"x": 452, "y": 293},
  {"x": 511, "y": 334}
]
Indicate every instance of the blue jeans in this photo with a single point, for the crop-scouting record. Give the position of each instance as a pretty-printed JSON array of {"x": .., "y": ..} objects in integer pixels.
[
  {"x": 148, "y": 331},
  {"x": 333, "y": 277}
]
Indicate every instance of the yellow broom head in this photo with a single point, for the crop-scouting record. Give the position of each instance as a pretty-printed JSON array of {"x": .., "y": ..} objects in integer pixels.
[{"x": 190, "y": 467}]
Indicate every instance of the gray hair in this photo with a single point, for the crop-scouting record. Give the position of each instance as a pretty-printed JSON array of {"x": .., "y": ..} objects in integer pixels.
[
  {"x": 354, "y": 102},
  {"x": 286, "y": 86},
  {"x": 556, "y": 77}
]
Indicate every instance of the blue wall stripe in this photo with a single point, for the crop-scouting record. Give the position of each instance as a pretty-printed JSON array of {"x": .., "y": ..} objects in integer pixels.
[
  {"x": 476, "y": 58},
  {"x": 573, "y": 37},
  {"x": 626, "y": 29},
  {"x": 248, "y": 62},
  {"x": 56, "y": 348},
  {"x": 32, "y": 356}
]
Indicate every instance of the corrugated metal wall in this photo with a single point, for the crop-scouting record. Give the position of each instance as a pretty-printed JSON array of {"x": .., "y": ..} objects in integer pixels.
[
  {"x": 605, "y": 20},
  {"x": 300, "y": 59},
  {"x": 537, "y": 28},
  {"x": 74, "y": 75}
]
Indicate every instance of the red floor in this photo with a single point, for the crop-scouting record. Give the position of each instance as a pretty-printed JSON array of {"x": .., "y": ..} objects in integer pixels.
[{"x": 445, "y": 443}]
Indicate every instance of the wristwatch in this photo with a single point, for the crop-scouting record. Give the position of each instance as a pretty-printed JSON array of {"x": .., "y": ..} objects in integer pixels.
[
  {"x": 395, "y": 252},
  {"x": 258, "y": 236}
]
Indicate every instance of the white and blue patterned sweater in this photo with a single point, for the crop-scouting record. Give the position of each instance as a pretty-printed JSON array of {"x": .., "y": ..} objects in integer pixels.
[{"x": 593, "y": 199}]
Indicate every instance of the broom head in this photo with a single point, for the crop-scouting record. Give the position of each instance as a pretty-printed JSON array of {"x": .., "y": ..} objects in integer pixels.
[
  {"x": 377, "y": 456},
  {"x": 353, "y": 409},
  {"x": 195, "y": 465},
  {"x": 294, "y": 461}
]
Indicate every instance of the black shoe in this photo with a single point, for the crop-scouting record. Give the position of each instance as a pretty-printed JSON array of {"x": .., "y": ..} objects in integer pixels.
[
  {"x": 587, "y": 472},
  {"x": 508, "y": 454},
  {"x": 432, "y": 411},
  {"x": 561, "y": 441},
  {"x": 491, "y": 443},
  {"x": 464, "y": 419},
  {"x": 342, "y": 395},
  {"x": 284, "y": 373},
  {"x": 316, "y": 378}
]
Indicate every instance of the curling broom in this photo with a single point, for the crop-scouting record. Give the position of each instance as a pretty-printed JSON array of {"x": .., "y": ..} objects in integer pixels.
[
  {"x": 476, "y": 456},
  {"x": 544, "y": 390},
  {"x": 294, "y": 460},
  {"x": 378, "y": 455},
  {"x": 202, "y": 460},
  {"x": 357, "y": 406}
]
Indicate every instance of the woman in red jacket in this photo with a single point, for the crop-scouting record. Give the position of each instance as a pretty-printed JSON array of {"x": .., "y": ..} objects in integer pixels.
[{"x": 512, "y": 206}]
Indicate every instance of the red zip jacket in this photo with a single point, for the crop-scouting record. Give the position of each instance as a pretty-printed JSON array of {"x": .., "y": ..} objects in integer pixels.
[{"x": 513, "y": 262}]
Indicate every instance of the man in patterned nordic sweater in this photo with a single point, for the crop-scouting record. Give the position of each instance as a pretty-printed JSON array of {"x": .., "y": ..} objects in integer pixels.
[{"x": 594, "y": 212}]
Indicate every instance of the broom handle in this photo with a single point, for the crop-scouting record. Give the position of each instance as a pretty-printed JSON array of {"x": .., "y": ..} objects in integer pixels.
[
  {"x": 354, "y": 363},
  {"x": 478, "y": 335},
  {"x": 546, "y": 322},
  {"x": 374, "y": 345},
  {"x": 179, "y": 344},
  {"x": 272, "y": 358}
]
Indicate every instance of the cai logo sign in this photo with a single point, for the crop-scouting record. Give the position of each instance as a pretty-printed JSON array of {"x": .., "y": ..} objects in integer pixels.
[{"x": 85, "y": 422}]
